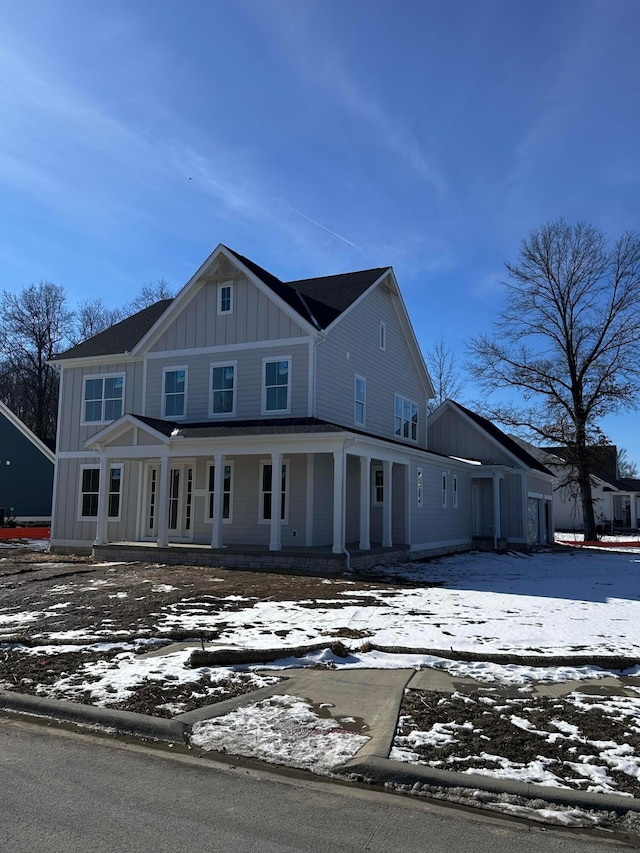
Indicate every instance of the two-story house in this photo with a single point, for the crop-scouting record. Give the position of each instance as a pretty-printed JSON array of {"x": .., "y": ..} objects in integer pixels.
[{"x": 250, "y": 418}]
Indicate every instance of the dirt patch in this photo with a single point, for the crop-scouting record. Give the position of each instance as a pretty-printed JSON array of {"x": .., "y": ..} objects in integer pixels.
[{"x": 29, "y": 673}]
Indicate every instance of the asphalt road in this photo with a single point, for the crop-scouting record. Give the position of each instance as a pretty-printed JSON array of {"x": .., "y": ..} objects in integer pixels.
[{"x": 63, "y": 792}]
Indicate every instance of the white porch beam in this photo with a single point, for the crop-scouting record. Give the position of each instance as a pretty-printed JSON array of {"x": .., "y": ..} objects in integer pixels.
[
  {"x": 387, "y": 503},
  {"x": 218, "y": 500},
  {"x": 103, "y": 502},
  {"x": 365, "y": 503},
  {"x": 163, "y": 502},
  {"x": 338, "y": 501},
  {"x": 275, "y": 543}
]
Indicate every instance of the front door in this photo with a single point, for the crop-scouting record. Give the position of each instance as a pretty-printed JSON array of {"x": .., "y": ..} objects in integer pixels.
[{"x": 180, "y": 506}]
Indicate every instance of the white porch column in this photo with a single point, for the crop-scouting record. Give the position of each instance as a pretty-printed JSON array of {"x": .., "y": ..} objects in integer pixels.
[
  {"x": 497, "y": 529},
  {"x": 387, "y": 503},
  {"x": 338, "y": 501},
  {"x": 218, "y": 500},
  {"x": 163, "y": 502},
  {"x": 103, "y": 502},
  {"x": 634, "y": 510},
  {"x": 365, "y": 503},
  {"x": 275, "y": 543},
  {"x": 308, "y": 533}
]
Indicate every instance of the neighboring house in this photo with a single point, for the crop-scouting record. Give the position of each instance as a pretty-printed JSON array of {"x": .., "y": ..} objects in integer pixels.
[
  {"x": 248, "y": 419},
  {"x": 616, "y": 502},
  {"x": 26, "y": 472},
  {"x": 511, "y": 490}
]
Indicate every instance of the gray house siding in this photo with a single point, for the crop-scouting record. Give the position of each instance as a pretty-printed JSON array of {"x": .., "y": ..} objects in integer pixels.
[
  {"x": 432, "y": 522},
  {"x": 353, "y": 348},
  {"x": 322, "y": 499},
  {"x": 452, "y": 435}
]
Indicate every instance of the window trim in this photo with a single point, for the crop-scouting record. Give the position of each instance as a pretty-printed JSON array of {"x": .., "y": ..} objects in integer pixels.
[
  {"x": 209, "y": 493},
  {"x": 357, "y": 378},
  {"x": 94, "y": 467},
  {"x": 261, "y": 493},
  {"x": 419, "y": 486},
  {"x": 272, "y": 360},
  {"x": 175, "y": 369},
  {"x": 375, "y": 470},
  {"x": 221, "y": 287},
  {"x": 92, "y": 376},
  {"x": 382, "y": 336},
  {"x": 403, "y": 400},
  {"x": 216, "y": 365},
  {"x": 454, "y": 486},
  {"x": 445, "y": 489}
]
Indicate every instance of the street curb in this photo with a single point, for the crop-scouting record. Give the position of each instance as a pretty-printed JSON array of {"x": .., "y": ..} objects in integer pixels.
[
  {"x": 381, "y": 771},
  {"x": 124, "y": 722}
]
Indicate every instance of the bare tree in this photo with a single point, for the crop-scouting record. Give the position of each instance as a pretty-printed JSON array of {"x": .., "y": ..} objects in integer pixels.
[
  {"x": 92, "y": 317},
  {"x": 443, "y": 369},
  {"x": 149, "y": 294},
  {"x": 568, "y": 339},
  {"x": 34, "y": 324},
  {"x": 627, "y": 468}
]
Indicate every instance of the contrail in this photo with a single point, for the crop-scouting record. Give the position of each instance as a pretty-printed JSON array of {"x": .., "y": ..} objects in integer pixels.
[{"x": 314, "y": 221}]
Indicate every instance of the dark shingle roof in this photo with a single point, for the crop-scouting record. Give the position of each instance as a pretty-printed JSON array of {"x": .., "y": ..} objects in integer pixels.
[
  {"x": 120, "y": 338},
  {"x": 508, "y": 443}
]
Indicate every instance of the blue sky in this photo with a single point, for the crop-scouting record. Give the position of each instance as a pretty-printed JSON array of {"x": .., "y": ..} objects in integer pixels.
[{"x": 314, "y": 136}]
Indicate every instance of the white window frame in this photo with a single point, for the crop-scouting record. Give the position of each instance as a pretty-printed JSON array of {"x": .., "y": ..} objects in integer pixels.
[
  {"x": 221, "y": 288},
  {"x": 88, "y": 377},
  {"x": 81, "y": 493},
  {"x": 419, "y": 486},
  {"x": 445, "y": 488},
  {"x": 273, "y": 360},
  {"x": 261, "y": 492},
  {"x": 357, "y": 402},
  {"x": 382, "y": 339},
  {"x": 208, "y": 517},
  {"x": 175, "y": 369},
  {"x": 217, "y": 365},
  {"x": 454, "y": 486},
  {"x": 377, "y": 487},
  {"x": 404, "y": 402}
]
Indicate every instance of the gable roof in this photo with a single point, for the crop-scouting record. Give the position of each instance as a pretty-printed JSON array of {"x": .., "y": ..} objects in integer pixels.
[
  {"x": 121, "y": 337},
  {"x": 15, "y": 421},
  {"x": 603, "y": 464}
]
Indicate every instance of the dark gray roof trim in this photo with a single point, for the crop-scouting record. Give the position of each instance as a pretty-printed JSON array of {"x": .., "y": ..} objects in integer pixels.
[{"x": 508, "y": 443}]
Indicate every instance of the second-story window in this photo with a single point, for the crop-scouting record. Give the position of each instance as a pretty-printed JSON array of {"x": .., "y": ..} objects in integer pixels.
[
  {"x": 406, "y": 419},
  {"x": 276, "y": 381},
  {"x": 174, "y": 382},
  {"x": 223, "y": 389},
  {"x": 225, "y": 298},
  {"x": 103, "y": 398},
  {"x": 359, "y": 395}
]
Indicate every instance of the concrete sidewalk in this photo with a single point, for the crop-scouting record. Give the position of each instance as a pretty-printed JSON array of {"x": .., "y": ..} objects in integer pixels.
[{"x": 372, "y": 697}]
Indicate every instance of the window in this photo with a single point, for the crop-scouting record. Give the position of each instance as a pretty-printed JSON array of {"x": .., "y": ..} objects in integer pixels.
[
  {"x": 268, "y": 494},
  {"x": 454, "y": 486},
  {"x": 225, "y": 298},
  {"x": 223, "y": 387},
  {"x": 359, "y": 395},
  {"x": 90, "y": 489},
  {"x": 227, "y": 487},
  {"x": 103, "y": 398},
  {"x": 276, "y": 379},
  {"x": 383, "y": 336},
  {"x": 419, "y": 486},
  {"x": 444, "y": 490},
  {"x": 406, "y": 419},
  {"x": 174, "y": 383},
  {"x": 377, "y": 486}
]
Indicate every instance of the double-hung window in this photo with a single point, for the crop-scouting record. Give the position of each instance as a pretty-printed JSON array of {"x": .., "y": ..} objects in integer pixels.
[
  {"x": 454, "y": 486},
  {"x": 377, "y": 486},
  {"x": 276, "y": 382},
  {"x": 359, "y": 400},
  {"x": 102, "y": 398},
  {"x": 406, "y": 418},
  {"x": 419, "y": 486},
  {"x": 223, "y": 389},
  {"x": 444, "y": 490},
  {"x": 174, "y": 386},
  {"x": 90, "y": 489},
  {"x": 274, "y": 491},
  {"x": 225, "y": 297},
  {"x": 227, "y": 492}
]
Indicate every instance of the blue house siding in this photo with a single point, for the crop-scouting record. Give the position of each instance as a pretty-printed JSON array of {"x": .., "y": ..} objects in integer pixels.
[{"x": 26, "y": 475}]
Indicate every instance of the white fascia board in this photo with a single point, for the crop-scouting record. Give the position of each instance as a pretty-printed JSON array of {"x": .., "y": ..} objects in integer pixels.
[
  {"x": 118, "y": 428},
  {"x": 24, "y": 429},
  {"x": 94, "y": 360},
  {"x": 196, "y": 282}
]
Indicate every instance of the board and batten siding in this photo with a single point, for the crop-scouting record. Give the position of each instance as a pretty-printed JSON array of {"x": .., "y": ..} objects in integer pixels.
[
  {"x": 248, "y": 381},
  {"x": 255, "y": 317},
  {"x": 353, "y": 348},
  {"x": 72, "y": 435},
  {"x": 452, "y": 435}
]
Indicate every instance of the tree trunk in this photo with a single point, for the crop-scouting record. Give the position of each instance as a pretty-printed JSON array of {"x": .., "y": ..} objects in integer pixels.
[{"x": 584, "y": 484}]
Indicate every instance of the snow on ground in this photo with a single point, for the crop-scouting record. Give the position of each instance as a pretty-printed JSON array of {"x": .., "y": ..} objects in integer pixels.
[
  {"x": 545, "y": 604},
  {"x": 281, "y": 730}
]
